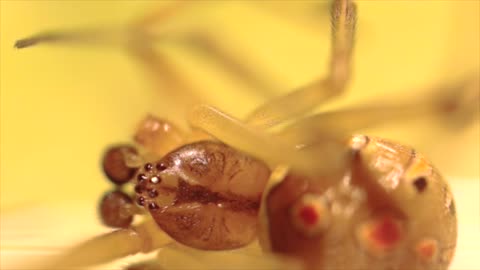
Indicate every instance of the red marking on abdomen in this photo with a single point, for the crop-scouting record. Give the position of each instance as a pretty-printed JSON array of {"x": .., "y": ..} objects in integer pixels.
[
  {"x": 386, "y": 233},
  {"x": 309, "y": 215}
]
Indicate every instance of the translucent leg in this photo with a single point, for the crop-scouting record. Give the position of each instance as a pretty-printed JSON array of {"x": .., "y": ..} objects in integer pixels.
[
  {"x": 305, "y": 14},
  {"x": 299, "y": 102},
  {"x": 167, "y": 79},
  {"x": 93, "y": 36},
  {"x": 108, "y": 35},
  {"x": 145, "y": 237},
  {"x": 181, "y": 257},
  {"x": 162, "y": 14},
  {"x": 230, "y": 60},
  {"x": 158, "y": 136},
  {"x": 320, "y": 159},
  {"x": 206, "y": 44},
  {"x": 457, "y": 104},
  {"x": 203, "y": 43},
  {"x": 139, "y": 40},
  {"x": 146, "y": 265}
]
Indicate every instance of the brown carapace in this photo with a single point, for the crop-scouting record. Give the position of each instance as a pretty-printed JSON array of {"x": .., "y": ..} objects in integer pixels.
[
  {"x": 390, "y": 210},
  {"x": 205, "y": 195}
]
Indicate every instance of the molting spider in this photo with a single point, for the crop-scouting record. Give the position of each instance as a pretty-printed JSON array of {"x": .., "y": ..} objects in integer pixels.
[{"x": 318, "y": 194}]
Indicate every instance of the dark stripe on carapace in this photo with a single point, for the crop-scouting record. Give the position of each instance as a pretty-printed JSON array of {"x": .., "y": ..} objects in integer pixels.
[{"x": 187, "y": 193}]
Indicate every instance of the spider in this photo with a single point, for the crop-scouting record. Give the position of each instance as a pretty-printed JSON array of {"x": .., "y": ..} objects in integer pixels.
[{"x": 298, "y": 181}]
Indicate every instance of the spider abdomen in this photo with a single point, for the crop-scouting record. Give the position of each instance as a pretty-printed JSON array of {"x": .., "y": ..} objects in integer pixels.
[{"x": 390, "y": 209}]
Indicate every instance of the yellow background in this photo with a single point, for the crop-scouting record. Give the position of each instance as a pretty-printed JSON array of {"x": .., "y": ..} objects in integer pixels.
[{"x": 61, "y": 105}]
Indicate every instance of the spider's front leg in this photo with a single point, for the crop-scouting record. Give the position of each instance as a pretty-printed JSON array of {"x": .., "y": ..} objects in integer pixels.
[
  {"x": 303, "y": 100},
  {"x": 144, "y": 237}
]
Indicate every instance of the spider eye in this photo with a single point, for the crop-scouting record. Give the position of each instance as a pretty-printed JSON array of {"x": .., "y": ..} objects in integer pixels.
[{"x": 310, "y": 214}]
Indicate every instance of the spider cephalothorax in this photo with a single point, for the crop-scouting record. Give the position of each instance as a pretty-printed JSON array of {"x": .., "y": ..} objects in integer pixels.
[{"x": 205, "y": 194}]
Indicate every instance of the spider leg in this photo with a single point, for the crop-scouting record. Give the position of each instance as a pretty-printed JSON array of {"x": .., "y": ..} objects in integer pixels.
[
  {"x": 163, "y": 72},
  {"x": 162, "y": 14},
  {"x": 166, "y": 77},
  {"x": 152, "y": 264},
  {"x": 101, "y": 35},
  {"x": 138, "y": 39},
  {"x": 304, "y": 14},
  {"x": 457, "y": 104},
  {"x": 88, "y": 36},
  {"x": 144, "y": 237},
  {"x": 158, "y": 136},
  {"x": 176, "y": 256},
  {"x": 203, "y": 43},
  {"x": 229, "y": 59},
  {"x": 299, "y": 102},
  {"x": 266, "y": 147}
]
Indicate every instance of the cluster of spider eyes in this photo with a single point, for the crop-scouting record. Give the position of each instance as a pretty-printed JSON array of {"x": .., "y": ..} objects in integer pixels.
[
  {"x": 117, "y": 207},
  {"x": 146, "y": 182}
]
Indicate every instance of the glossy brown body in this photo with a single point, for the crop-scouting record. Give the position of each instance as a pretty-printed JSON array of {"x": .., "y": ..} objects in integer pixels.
[
  {"x": 205, "y": 195},
  {"x": 408, "y": 198}
]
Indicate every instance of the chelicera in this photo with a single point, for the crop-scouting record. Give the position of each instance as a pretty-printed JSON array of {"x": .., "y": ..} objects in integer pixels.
[{"x": 299, "y": 182}]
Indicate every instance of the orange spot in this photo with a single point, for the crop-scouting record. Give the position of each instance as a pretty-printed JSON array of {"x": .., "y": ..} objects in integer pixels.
[
  {"x": 309, "y": 215},
  {"x": 386, "y": 233},
  {"x": 426, "y": 249},
  {"x": 380, "y": 235}
]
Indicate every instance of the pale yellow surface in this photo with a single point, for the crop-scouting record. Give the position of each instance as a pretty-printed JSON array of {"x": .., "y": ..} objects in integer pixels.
[{"x": 60, "y": 106}]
